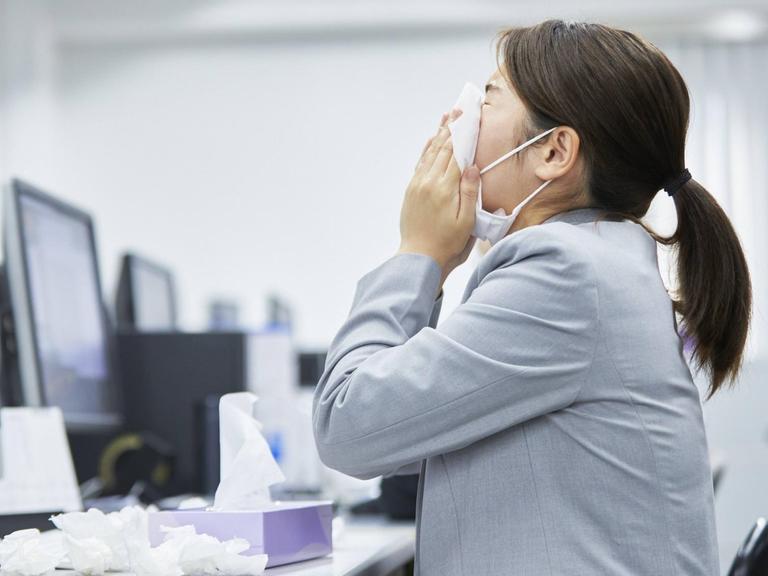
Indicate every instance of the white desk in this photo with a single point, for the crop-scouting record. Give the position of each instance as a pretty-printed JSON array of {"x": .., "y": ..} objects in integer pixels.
[{"x": 367, "y": 546}]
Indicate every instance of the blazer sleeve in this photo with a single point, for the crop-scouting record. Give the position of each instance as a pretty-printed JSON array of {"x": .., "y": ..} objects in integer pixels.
[
  {"x": 415, "y": 467},
  {"x": 397, "y": 389}
]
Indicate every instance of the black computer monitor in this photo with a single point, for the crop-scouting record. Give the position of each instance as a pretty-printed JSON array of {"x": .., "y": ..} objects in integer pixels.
[
  {"x": 146, "y": 296},
  {"x": 61, "y": 336}
]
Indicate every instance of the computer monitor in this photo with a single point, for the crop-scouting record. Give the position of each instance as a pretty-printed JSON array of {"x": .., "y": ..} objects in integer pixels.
[
  {"x": 146, "y": 296},
  {"x": 60, "y": 332}
]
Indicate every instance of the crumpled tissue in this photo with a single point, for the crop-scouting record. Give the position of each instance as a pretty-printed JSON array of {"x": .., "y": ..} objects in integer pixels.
[
  {"x": 24, "y": 553},
  {"x": 185, "y": 552},
  {"x": 248, "y": 468},
  {"x": 206, "y": 555},
  {"x": 94, "y": 543}
]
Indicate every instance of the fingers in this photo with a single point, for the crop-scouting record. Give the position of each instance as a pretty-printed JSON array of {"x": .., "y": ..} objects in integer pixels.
[
  {"x": 434, "y": 148},
  {"x": 433, "y": 144},
  {"x": 443, "y": 120},
  {"x": 444, "y": 154},
  {"x": 468, "y": 191},
  {"x": 442, "y": 158},
  {"x": 423, "y": 152},
  {"x": 453, "y": 172}
]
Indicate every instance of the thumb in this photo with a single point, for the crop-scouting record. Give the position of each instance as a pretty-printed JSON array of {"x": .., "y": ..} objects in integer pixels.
[{"x": 468, "y": 191}]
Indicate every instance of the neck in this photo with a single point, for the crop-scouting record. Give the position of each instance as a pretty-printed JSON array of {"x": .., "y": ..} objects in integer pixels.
[
  {"x": 530, "y": 216},
  {"x": 533, "y": 215}
]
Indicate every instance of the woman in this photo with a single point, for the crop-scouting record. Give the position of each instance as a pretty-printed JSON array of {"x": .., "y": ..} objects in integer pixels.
[{"x": 552, "y": 415}]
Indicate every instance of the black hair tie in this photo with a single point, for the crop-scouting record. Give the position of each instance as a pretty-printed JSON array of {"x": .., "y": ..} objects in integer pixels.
[{"x": 674, "y": 184}]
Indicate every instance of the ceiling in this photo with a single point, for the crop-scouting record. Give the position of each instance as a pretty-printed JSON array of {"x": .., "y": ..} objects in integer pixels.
[{"x": 140, "y": 20}]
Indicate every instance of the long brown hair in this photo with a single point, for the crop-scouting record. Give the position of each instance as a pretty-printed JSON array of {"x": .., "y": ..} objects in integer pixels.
[{"x": 630, "y": 107}]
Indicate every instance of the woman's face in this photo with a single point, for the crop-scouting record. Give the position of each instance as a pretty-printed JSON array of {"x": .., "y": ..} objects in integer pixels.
[{"x": 502, "y": 122}]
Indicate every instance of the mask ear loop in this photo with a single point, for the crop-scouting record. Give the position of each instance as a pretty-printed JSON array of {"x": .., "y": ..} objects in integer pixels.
[
  {"x": 522, "y": 204},
  {"x": 516, "y": 150}
]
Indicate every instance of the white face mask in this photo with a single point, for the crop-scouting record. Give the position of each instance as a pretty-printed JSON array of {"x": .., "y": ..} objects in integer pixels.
[{"x": 464, "y": 132}]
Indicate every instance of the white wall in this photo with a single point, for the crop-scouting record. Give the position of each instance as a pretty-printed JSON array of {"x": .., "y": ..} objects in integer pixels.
[
  {"x": 255, "y": 166},
  {"x": 27, "y": 72}
]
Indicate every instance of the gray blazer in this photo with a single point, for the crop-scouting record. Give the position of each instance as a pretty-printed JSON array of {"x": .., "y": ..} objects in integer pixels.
[{"x": 552, "y": 415}]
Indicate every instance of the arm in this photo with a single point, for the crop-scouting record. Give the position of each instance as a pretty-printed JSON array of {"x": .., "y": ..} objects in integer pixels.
[
  {"x": 415, "y": 467},
  {"x": 396, "y": 391}
]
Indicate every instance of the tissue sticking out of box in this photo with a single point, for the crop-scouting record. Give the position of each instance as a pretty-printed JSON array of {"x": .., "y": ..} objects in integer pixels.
[{"x": 248, "y": 468}]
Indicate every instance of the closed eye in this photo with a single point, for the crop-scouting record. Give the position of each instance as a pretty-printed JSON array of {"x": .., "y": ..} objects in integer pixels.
[{"x": 489, "y": 89}]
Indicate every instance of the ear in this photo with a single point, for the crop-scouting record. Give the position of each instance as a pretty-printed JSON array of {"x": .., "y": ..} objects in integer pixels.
[{"x": 558, "y": 154}]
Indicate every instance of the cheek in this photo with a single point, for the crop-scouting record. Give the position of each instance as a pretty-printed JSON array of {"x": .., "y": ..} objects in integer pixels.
[
  {"x": 490, "y": 142},
  {"x": 493, "y": 142}
]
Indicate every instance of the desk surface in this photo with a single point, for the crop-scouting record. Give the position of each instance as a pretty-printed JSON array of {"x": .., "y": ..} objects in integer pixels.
[{"x": 365, "y": 546}]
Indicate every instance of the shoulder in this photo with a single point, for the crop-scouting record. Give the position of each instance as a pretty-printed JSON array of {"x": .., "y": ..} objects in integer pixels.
[
  {"x": 544, "y": 274},
  {"x": 554, "y": 250}
]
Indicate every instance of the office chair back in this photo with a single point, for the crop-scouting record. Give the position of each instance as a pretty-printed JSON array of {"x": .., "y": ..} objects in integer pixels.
[{"x": 752, "y": 557}]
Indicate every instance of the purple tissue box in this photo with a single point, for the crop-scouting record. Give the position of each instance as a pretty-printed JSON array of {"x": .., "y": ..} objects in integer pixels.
[{"x": 287, "y": 531}]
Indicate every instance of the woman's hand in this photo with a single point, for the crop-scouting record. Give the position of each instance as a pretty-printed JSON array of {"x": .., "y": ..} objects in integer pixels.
[{"x": 438, "y": 211}]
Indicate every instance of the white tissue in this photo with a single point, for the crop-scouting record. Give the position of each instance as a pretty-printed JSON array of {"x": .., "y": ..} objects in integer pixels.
[
  {"x": 144, "y": 560},
  {"x": 162, "y": 560},
  {"x": 248, "y": 468},
  {"x": 23, "y": 553},
  {"x": 95, "y": 541},
  {"x": 204, "y": 555},
  {"x": 185, "y": 552},
  {"x": 89, "y": 556},
  {"x": 193, "y": 502},
  {"x": 465, "y": 129}
]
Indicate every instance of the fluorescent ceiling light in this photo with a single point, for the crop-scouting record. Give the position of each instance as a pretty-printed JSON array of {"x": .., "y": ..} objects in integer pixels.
[{"x": 737, "y": 25}]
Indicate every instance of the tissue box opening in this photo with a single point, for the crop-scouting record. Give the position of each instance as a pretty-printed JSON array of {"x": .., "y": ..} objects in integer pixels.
[{"x": 286, "y": 531}]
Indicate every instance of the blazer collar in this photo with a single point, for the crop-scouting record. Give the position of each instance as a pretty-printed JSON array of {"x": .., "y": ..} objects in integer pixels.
[{"x": 576, "y": 216}]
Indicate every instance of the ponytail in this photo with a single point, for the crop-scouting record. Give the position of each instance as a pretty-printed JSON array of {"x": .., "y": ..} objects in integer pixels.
[{"x": 714, "y": 293}]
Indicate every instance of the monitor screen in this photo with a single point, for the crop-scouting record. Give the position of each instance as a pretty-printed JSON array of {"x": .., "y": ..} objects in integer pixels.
[
  {"x": 153, "y": 296},
  {"x": 68, "y": 330}
]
